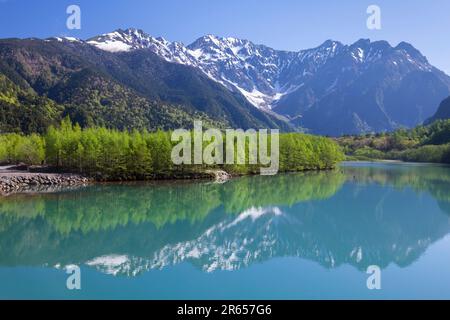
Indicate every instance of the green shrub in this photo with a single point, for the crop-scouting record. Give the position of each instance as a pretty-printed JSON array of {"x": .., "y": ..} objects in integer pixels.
[{"x": 369, "y": 153}]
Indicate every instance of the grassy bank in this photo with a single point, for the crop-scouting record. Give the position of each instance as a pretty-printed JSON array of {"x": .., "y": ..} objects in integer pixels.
[
  {"x": 139, "y": 155},
  {"x": 421, "y": 144}
]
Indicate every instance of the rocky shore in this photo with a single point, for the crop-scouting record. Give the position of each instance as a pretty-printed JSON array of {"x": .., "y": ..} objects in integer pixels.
[
  {"x": 13, "y": 181},
  {"x": 219, "y": 176},
  {"x": 19, "y": 179}
]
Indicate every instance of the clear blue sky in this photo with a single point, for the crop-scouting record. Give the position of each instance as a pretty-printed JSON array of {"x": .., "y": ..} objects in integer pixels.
[{"x": 281, "y": 24}]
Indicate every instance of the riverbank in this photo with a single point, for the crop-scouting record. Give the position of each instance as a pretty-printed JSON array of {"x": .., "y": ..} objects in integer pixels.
[
  {"x": 43, "y": 179},
  {"x": 13, "y": 180},
  {"x": 425, "y": 144},
  {"x": 111, "y": 155},
  {"x": 106, "y": 155},
  {"x": 23, "y": 179}
]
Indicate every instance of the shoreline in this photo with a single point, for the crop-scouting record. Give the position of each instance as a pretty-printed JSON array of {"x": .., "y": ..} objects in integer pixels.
[
  {"x": 394, "y": 161},
  {"x": 13, "y": 180},
  {"x": 20, "y": 179}
]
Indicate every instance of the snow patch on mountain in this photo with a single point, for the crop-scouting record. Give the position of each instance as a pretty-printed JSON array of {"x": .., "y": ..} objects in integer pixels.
[{"x": 112, "y": 46}]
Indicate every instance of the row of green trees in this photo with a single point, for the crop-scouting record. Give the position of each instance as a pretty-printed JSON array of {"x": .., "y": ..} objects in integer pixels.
[
  {"x": 16, "y": 148},
  {"x": 142, "y": 154},
  {"x": 425, "y": 153},
  {"x": 421, "y": 144}
]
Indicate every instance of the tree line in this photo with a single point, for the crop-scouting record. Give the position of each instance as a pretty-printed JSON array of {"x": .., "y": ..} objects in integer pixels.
[
  {"x": 429, "y": 143},
  {"x": 131, "y": 155}
]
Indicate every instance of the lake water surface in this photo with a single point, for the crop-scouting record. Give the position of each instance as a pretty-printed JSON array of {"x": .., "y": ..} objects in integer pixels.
[{"x": 292, "y": 236}]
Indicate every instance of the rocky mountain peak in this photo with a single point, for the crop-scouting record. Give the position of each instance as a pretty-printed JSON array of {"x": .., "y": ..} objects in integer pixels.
[{"x": 293, "y": 83}]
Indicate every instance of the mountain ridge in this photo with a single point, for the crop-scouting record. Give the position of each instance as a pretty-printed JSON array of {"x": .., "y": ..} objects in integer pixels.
[
  {"x": 304, "y": 85},
  {"x": 135, "y": 90},
  {"x": 442, "y": 113},
  {"x": 333, "y": 89}
]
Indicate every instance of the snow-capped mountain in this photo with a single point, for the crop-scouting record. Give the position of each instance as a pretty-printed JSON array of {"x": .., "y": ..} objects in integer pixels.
[
  {"x": 368, "y": 86},
  {"x": 133, "y": 39},
  {"x": 263, "y": 75}
]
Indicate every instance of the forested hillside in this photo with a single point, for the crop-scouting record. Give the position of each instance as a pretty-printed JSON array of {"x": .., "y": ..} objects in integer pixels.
[
  {"x": 429, "y": 143},
  {"x": 442, "y": 113},
  {"x": 42, "y": 81}
]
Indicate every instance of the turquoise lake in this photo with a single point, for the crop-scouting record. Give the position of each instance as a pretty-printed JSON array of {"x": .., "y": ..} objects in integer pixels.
[{"x": 292, "y": 236}]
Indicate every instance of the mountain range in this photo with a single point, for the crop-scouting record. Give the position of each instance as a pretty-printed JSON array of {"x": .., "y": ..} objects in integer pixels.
[
  {"x": 129, "y": 79},
  {"x": 42, "y": 81}
]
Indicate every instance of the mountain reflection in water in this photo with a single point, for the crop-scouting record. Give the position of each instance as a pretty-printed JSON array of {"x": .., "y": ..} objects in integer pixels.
[{"x": 360, "y": 214}]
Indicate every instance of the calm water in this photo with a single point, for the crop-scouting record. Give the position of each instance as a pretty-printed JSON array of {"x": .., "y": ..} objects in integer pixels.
[{"x": 291, "y": 236}]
